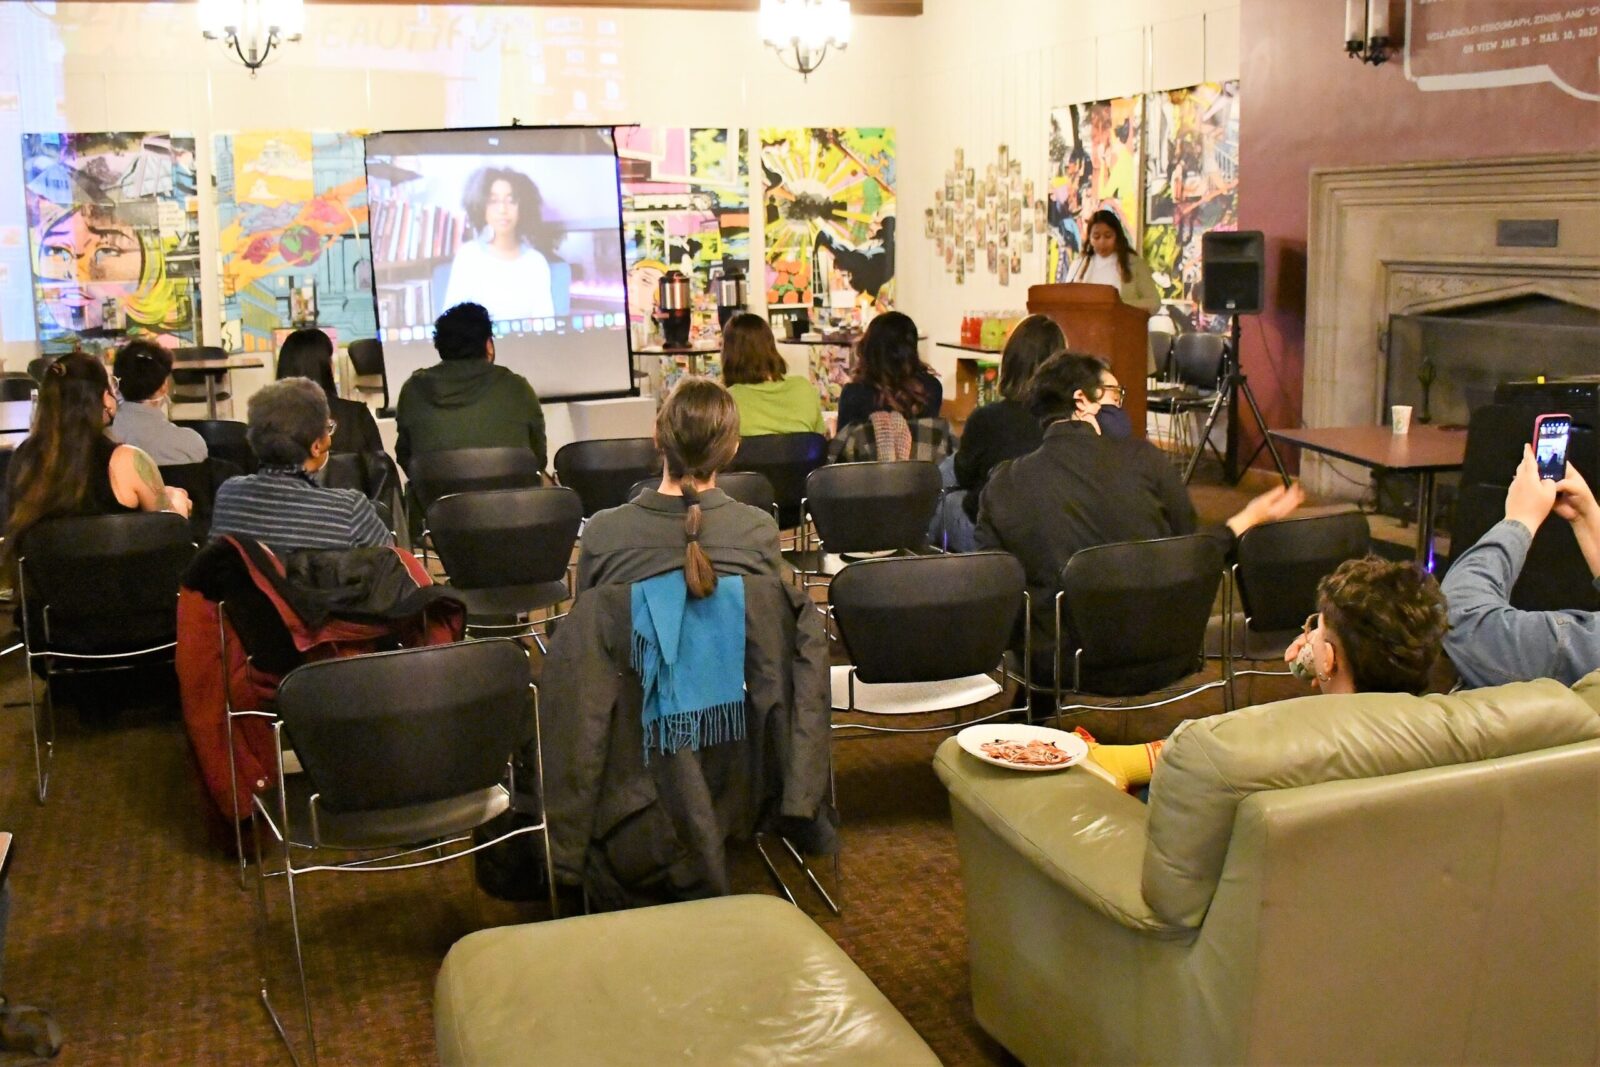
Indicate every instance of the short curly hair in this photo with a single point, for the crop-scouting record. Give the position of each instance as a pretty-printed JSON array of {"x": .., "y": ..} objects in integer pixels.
[
  {"x": 286, "y": 417},
  {"x": 1389, "y": 621}
]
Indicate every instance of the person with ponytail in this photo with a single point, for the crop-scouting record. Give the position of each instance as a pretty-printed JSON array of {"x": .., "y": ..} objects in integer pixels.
[
  {"x": 686, "y": 523},
  {"x": 70, "y": 466},
  {"x": 1108, "y": 259}
]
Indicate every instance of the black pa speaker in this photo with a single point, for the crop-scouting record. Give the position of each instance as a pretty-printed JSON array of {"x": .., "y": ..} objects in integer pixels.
[{"x": 1233, "y": 266}]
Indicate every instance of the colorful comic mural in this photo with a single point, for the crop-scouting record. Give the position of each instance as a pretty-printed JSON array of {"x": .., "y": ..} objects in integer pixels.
[
  {"x": 1094, "y": 163},
  {"x": 1191, "y": 182},
  {"x": 685, "y": 206},
  {"x": 292, "y": 207},
  {"x": 114, "y": 237},
  {"x": 830, "y": 219}
]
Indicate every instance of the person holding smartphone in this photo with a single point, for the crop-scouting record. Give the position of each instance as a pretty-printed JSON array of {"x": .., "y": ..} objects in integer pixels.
[{"x": 1489, "y": 641}]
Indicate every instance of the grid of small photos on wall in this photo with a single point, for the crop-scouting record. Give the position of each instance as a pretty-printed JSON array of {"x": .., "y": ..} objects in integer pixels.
[{"x": 984, "y": 221}]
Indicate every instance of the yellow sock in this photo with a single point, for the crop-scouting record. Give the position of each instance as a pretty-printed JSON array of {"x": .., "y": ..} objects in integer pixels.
[{"x": 1130, "y": 765}]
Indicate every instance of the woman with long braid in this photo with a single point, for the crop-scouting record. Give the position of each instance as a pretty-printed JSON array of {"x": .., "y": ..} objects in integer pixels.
[{"x": 687, "y": 522}]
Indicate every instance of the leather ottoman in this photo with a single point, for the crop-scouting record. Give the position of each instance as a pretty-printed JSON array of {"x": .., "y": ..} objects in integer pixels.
[{"x": 731, "y": 980}]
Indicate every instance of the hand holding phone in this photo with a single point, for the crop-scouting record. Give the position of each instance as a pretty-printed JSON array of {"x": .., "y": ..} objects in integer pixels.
[{"x": 1550, "y": 436}]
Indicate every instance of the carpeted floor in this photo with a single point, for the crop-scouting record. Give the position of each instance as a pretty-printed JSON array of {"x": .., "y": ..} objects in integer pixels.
[{"x": 128, "y": 922}]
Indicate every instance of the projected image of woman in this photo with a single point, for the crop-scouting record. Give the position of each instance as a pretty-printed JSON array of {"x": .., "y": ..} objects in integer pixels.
[{"x": 504, "y": 266}]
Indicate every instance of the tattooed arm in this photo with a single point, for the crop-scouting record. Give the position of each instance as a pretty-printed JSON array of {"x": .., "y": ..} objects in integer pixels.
[{"x": 136, "y": 481}]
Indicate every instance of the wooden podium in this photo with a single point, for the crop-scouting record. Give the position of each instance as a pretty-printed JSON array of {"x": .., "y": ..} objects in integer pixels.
[{"x": 1098, "y": 323}]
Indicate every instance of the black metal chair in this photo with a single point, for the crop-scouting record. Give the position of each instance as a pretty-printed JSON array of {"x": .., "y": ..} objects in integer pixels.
[
  {"x": 787, "y": 460},
  {"x": 1277, "y": 566},
  {"x": 101, "y": 593},
  {"x": 200, "y": 481},
  {"x": 602, "y": 472},
  {"x": 405, "y": 755},
  {"x": 372, "y": 374},
  {"x": 1131, "y": 617},
  {"x": 746, "y": 487},
  {"x": 1159, "y": 354},
  {"x": 883, "y": 506},
  {"x": 225, "y": 439},
  {"x": 1196, "y": 366},
  {"x": 465, "y": 470},
  {"x": 373, "y": 474},
  {"x": 14, "y": 386},
  {"x": 929, "y": 619},
  {"x": 189, "y": 386},
  {"x": 507, "y": 554}
]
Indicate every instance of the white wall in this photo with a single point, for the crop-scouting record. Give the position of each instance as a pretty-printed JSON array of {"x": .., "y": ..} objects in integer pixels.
[{"x": 974, "y": 73}]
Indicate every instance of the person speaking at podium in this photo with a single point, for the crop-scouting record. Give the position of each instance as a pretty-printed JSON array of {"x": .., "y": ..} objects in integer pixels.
[{"x": 1108, "y": 259}]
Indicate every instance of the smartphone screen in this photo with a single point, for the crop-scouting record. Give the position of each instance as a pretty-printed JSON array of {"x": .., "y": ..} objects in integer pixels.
[{"x": 1550, "y": 435}]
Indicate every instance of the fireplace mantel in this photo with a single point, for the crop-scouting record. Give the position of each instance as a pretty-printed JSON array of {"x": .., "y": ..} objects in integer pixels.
[{"x": 1422, "y": 237}]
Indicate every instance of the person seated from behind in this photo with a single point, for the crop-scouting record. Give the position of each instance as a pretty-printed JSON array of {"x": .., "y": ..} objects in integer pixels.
[
  {"x": 69, "y": 466},
  {"x": 309, "y": 354},
  {"x": 889, "y": 374},
  {"x": 1081, "y": 489},
  {"x": 281, "y": 505},
  {"x": 1490, "y": 642},
  {"x": 1379, "y": 628},
  {"x": 697, "y": 430},
  {"x": 770, "y": 399},
  {"x": 144, "y": 378},
  {"x": 465, "y": 400}
]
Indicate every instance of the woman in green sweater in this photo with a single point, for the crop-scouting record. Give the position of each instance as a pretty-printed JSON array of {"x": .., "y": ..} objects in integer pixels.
[{"x": 769, "y": 399}]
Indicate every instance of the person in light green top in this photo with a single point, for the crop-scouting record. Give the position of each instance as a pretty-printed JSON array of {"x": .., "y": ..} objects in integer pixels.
[{"x": 769, "y": 400}]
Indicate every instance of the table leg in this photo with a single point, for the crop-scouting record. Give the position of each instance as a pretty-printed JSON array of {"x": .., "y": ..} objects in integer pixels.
[
  {"x": 211, "y": 395},
  {"x": 1425, "y": 520}
]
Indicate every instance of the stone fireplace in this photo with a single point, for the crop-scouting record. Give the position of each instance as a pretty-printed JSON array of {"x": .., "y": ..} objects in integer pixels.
[{"x": 1428, "y": 241}]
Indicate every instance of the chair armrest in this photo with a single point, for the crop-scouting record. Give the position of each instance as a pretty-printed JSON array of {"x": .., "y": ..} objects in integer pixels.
[{"x": 1077, "y": 829}]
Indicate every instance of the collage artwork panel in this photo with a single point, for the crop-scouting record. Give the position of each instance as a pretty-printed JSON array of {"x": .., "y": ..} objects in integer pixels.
[
  {"x": 114, "y": 237},
  {"x": 292, "y": 206},
  {"x": 1094, "y": 153},
  {"x": 1191, "y": 184},
  {"x": 685, "y": 206}
]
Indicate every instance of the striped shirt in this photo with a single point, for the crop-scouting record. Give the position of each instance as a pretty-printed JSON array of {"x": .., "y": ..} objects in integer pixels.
[{"x": 285, "y": 510}]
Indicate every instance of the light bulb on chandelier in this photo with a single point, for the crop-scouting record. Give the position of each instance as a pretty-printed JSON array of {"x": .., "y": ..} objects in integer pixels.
[
  {"x": 802, "y": 31},
  {"x": 252, "y": 28}
]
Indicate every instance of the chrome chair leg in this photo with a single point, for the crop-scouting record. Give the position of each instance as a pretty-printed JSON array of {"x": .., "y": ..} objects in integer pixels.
[{"x": 43, "y": 743}]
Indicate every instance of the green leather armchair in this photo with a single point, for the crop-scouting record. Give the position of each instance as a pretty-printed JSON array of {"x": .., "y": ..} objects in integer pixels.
[{"x": 1362, "y": 879}]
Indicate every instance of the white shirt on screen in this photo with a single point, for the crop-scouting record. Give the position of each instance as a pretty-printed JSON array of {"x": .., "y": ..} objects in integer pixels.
[
  {"x": 1101, "y": 270},
  {"x": 509, "y": 288}
]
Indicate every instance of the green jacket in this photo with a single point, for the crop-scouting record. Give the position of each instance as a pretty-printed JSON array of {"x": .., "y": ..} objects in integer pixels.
[{"x": 467, "y": 403}]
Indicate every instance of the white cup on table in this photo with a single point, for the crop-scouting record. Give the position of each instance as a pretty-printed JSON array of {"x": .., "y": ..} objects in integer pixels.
[{"x": 1400, "y": 418}]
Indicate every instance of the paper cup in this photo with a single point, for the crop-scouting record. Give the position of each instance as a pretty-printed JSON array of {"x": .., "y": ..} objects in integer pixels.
[{"x": 1400, "y": 418}]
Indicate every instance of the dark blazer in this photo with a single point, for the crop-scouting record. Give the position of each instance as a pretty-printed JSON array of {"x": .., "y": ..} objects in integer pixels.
[
  {"x": 994, "y": 433},
  {"x": 857, "y": 400},
  {"x": 1079, "y": 490},
  {"x": 358, "y": 430}
]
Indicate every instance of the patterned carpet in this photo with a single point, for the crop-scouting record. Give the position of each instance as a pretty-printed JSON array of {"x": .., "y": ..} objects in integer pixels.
[{"x": 128, "y": 921}]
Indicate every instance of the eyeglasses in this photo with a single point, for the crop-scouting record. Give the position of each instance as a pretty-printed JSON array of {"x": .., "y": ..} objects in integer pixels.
[
  {"x": 1313, "y": 621},
  {"x": 333, "y": 426},
  {"x": 116, "y": 385},
  {"x": 1112, "y": 394}
]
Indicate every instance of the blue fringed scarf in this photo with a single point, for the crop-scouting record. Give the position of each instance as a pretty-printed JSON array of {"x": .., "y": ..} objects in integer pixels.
[{"x": 689, "y": 654}]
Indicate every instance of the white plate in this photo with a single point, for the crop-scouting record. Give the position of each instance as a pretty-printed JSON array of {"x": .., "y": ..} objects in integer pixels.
[{"x": 973, "y": 738}]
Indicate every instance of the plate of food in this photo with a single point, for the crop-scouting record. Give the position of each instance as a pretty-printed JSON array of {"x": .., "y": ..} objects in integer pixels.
[{"x": 1019, "y": 747}]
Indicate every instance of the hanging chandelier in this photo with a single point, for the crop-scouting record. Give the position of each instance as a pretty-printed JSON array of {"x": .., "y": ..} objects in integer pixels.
[
  {"x": 252, "y": 28},
  {"x": 802, "y": 31}
]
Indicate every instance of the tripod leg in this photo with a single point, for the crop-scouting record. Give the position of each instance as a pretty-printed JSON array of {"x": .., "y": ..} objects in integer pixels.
[
  {"x": 1205, "y": 434},
  {"x": 1266, "y": 438}
]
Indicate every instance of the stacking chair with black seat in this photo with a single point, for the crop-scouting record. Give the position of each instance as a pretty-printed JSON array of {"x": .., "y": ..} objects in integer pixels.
[
  {"x": 193, "y": 386},
  {"x": 201, "y": 481},
  {"x": 929, "y": 619},
  {"x": 1130, "y": 619},
  {"x": 884, "y": 506},
  {"x": 373, "y": 474},
  {"x": 372, "y": 375},
  {"x": 466, "y": 470},
  {"x": 14, "y": 386},
  {"x": 787, "y": 460},
  {"x": 507, "y": 553},
  {"x": 98, "y": 592},
  {"x": 601, "y": 472},
  {"x": 1195, "y": 366},
  {"x": 225, "y": 439},
  {"x": 746, "y": 487},
  {"x": 1277, "y": 566},
  {"x": 405, "y": 755}
]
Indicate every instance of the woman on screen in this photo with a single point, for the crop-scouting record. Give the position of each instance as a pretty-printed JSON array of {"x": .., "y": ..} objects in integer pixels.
[{"x": 502, "y": 267}]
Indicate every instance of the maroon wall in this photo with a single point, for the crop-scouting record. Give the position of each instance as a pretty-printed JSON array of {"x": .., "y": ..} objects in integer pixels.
[{"x": 1306, "y": 105}]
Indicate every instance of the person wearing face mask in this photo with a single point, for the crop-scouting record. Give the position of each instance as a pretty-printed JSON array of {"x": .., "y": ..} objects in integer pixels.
[
  {"x": 1082, "y": 488},
  {"x": 1112, "y": 419},
  {"x": 1108, "y": 259},
  {"x": 280, "y": 505},
  {"x": 69, "y": 465}
]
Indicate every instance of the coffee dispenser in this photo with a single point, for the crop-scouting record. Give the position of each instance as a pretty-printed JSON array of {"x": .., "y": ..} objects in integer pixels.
[
  {"x": 732, "y": 293},
  {"x": 673, "y": 308}
]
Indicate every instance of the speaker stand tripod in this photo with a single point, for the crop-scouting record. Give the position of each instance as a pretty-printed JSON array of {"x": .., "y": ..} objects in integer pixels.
[{"x": 1234, "y": 385}]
